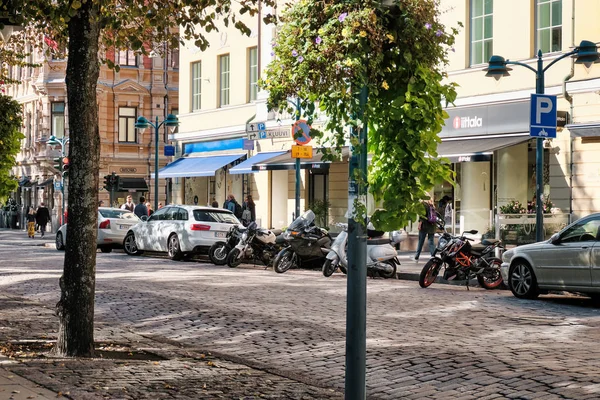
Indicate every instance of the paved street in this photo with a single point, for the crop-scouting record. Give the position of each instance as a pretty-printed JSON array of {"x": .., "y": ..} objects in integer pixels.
[{"x": 282, "y": 336}]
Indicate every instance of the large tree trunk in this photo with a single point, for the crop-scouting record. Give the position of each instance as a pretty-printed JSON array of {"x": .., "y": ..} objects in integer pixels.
[{"x": 76, "y": 306}]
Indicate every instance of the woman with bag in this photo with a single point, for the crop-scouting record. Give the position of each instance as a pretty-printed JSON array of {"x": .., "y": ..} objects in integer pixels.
[
  {"x": 427, "y": 228},
  {"x": 249, "y": 213},
  {"x": 31, "y": 223}
]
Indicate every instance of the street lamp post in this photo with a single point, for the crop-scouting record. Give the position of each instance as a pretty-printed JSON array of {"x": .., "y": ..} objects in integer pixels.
[
  {"x": 586, "y": 53},
  {"x": 141, "y": 124},
  {"x": 54, "y": 141}
]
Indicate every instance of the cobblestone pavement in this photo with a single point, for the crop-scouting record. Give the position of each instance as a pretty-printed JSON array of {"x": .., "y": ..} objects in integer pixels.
[{"x": 286, "y": 332}]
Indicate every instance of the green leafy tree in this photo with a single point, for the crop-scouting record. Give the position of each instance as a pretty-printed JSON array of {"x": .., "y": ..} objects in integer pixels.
[
  {"x": 326, "y": 51},
  {"x": 11, "y": 121},
  {"x": 82, "y": 28}
]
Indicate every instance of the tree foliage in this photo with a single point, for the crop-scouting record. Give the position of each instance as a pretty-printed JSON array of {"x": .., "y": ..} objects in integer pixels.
[
  {"x": 11, "y": 121},
  {"x": 326, "y": 51},
  {"x": 87, "y": 30}
]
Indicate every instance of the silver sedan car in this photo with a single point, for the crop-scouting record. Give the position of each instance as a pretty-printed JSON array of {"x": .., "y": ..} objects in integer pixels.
[{"x": 568, "y": 261}]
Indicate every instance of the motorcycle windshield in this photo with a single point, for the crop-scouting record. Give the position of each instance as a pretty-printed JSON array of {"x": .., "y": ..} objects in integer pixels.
[{"x": 302, "y": 221}]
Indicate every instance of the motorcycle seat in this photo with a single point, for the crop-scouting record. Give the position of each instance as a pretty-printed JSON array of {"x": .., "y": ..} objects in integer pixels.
[
  {"x": 488, "y": 242},
  {"x": 477, "y": 249},
  {"x": 377, "y": 241},
  {"x": 276, "y": 232}
]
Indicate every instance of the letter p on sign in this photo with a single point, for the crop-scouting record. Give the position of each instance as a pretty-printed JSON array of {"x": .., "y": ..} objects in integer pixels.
[{"x": 542, "y": 122}]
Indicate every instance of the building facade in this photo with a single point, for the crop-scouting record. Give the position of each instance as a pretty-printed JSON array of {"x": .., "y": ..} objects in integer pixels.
[
  {"x": 486, "y": 136},
  {"x": 143, "y": 86}
]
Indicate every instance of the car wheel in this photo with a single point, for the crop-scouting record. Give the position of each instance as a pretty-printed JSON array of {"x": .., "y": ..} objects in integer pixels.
[
  {"x": 218, "y": 253},
  {"x": 130, "y": 246},
  {"x": 522, "y": 281},
  {"x": 174, "y": 249},
  {"x": 60, "y": 243},
  {"x": 106, "y": 249}
]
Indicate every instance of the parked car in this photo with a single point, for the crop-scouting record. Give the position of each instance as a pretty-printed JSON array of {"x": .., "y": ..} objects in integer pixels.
[
  {"x": 568, "y": 261},
  {"x": 113, "y": 224},
  {"x": 180, "y": 230}
]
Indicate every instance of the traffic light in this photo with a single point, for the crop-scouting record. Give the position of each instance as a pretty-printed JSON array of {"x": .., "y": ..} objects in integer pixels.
[
  {"x": 65, "y": 164},
  {"x": 57, "y": 163},
  {"x": 108, "y": 182}
]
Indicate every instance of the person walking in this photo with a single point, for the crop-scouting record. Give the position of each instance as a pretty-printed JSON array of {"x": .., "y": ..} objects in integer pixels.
[
  {"x": 129, "y": 204},
  {"x": 214, "y": 203},
  {"x": 249, "y": 210},
  {"x": 427, "y": 227},
  {"x": 226, "y": 202},
  {"x": 31, "y": 223},
  {"x": 42, "y": 217},
  {"x": 149, "y": 207},
  {"x": 140, "y": 210}
]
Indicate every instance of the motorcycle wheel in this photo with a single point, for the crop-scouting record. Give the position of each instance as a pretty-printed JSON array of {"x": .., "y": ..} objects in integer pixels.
[
  {"x": 491, "y": 278},
  {"x": 391, "y": 273},
  {"x": 284, "y": 261},
  {"x": 328, "y": 268},
  {"x": 233, "y": 259},
  {"x": 429, "y": 272},
  {"x": 218, "y": 253}
]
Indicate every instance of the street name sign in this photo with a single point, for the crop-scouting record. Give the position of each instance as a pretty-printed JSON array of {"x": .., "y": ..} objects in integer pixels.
[{"x": 542, "y": 122}]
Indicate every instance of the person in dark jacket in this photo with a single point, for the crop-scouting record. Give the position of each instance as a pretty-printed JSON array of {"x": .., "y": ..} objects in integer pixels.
[
  {"x": 426, "y": 229},
  {"x": 42, "y": 217},
  {"x": 249, "y": 210},
  {"x": 140, "y": 209}
]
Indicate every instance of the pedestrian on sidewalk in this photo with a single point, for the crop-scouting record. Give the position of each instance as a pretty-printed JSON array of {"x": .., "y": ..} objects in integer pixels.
[
  {"x": 31, "y": 223},
  {"x": 42, "y": 217},
  {"x": 141, "y": 210},
  {"x": 426, "y": 228}
]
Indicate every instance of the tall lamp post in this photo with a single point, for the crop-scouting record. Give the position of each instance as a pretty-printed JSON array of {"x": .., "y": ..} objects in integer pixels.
[
  {"x": 54, "y": 141},
  {"x": 587, "y": 54},
  {"x": 142, "y": 124}
]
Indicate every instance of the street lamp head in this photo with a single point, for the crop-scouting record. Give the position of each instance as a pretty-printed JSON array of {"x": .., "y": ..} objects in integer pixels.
[
  {"x": 52, "y": 141},
  {"x": 586, "y": 53},
  {"x": 142, "y": 123},
  {"x": 172, "y": 122},
  {"x": 497, "y": 68}
]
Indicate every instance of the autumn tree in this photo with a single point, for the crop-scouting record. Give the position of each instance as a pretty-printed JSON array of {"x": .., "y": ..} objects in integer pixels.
[
  {"x": 327, "y": 51},
  {"x": 84, "y": 28}
]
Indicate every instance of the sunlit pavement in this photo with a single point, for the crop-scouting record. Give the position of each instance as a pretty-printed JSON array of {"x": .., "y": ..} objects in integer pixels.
[{"x": 441, "y": 342}]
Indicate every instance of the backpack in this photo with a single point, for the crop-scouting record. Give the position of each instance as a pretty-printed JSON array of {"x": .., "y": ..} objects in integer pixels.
[
  {"x": 246, "y": 215},
  {"x": 431, "y": 214},
  {"x": 238, "y": 210}
]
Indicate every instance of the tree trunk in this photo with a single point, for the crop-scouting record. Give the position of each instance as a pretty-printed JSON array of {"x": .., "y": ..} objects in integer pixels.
[{"x": 76, "y": 306}]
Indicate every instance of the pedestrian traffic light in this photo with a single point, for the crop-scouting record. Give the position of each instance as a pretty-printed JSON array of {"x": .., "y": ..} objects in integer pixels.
[
  {"x": 65, "y": 164},
  {"x": 107, "y": 182},
  {"x": 57, "y": 163}
]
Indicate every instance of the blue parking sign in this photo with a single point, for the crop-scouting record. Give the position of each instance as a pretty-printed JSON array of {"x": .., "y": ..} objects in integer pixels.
[{"x": 542, "y": 122}]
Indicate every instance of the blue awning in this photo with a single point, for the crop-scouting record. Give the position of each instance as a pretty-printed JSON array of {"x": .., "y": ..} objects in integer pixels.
[
  {"x": 246, "y": 166},
  {"x": 186, "y": 167}
]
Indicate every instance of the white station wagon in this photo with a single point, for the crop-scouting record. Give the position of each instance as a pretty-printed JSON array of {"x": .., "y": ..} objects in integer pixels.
[{"x": 179, "y": 230}]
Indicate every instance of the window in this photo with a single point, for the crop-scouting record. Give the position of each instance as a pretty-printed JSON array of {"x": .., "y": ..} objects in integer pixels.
[
  {"x": 481, "y": 31},
  {"x": 174, "y": 58},
  {"x": 549, "y": 25},
  {"x": 196, "y": 86},
  {"x": 224, "y": 80},
  {"x": 582, "y": 231},
  {"x": 58, "y": 119},
  {"x": 127, "y": 124},
  {"x": 252, "y": 73},
  {"x": 128, "y": 58},
  {"x": 224, "y": 217}
]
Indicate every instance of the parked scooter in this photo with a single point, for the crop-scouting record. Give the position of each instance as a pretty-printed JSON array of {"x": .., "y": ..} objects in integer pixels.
[
  {"x": 307, "y": 244},
  {"x": 219, "y": 251},
  {"x": 256, "y": 244},
  {"x": 382, "y": 257}
]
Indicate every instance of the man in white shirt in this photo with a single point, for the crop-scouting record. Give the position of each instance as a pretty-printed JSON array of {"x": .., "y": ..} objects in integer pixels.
[{"x": 129, "y": 205}]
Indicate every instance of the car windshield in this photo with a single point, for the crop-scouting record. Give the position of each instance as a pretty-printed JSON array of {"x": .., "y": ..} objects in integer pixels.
[
  {"x": 225, "y": 217},
  {"x": 302, "y": 221},
  {"x": 119, "y": 214}
]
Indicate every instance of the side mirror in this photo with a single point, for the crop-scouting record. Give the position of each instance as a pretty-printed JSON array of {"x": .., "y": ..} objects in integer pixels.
[
  {"x": 144, "y": 218},
  {"x": 555, "y": 239}
]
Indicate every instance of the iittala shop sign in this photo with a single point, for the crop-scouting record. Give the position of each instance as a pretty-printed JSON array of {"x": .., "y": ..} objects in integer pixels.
[{"x": 487, "y": 119}]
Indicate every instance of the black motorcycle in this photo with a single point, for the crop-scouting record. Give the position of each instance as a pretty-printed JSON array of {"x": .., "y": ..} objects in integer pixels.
[
  {"x": 256, "y": 244},
  {"x": 218, "y": 252},
  {"x": 307, "y": 244}
]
